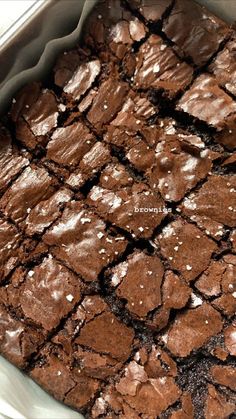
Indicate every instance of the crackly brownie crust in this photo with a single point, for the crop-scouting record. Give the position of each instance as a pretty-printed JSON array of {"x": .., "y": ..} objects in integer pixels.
[{"x": 118, "y": 217}]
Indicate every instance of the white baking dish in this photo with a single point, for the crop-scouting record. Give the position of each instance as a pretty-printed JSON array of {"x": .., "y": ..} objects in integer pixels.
[{"x": 20, "y": 397}]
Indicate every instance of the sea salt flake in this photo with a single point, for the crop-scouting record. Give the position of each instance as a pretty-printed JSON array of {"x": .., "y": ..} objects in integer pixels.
[
  {"x": 31, "y": 273},
  {"x": 70, "y": 297},
  {"x": 85, "y": 220},
  {"x": 188, "y": 267}
]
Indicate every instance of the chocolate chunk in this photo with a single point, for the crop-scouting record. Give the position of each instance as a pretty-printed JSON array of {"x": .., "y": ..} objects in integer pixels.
[
  {"x": 195, "y": 31},
  {"x": 186, "y": 248},
  {"x": 68, "y": 145},
  {"x": 32, "y": 186},
  {"x": 224, "y": 375},
  {"x": 217, "y": 405},
  {"x": 79, "y": 235},
  {"x": 216, "y": 200},
  {"x": 224, "y": 68},
  {"x": 11, "y": 162},
  {"x": 196, "y": 325},
  {"x": 141, "y": 291},
  {"x": 159, "y": 68},
  {"x": 17, "y": 340},
  {"x": 9, "y": 242}
]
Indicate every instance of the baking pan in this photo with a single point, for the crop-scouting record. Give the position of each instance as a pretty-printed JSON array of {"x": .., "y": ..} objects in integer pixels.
[{"x": 27, "y": 51}]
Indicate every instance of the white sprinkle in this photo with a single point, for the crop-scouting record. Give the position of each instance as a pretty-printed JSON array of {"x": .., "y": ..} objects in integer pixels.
[
  {"x": 231, "y": 287},
  {"x": 166, "y": 184},
  {"x": 140, "y": 302},
  {"x": 69, "y": 297},
  {"x": 109, "y": 240},
  {"x": 102, "y": 251},
  {"x": 163, "y": 47},
  {"x": 85, "y": 220},
  {"x": 171, "y": 258},
  {"x": 149, "y": 272},
  {"x": 132, "y": 304},
  {"x": 188, "y": 267},
  {"x": 141, "y": 286},
  {"x": 58, "y": 372},
  {"x": 198, "y": 237},
  {"x": 31, "y": 273},
  {"x": 28, "y": 210},
  {"x": 167, "y": 196},
  {"x": 100, "y": 235},
  {"x": 176, "y": 248},
  {"x": 234, "y": 294},
  {"x": 105, "y": 106},
  {"x": 231, "y": 208},
  {"x": 206, "y": 321},
  {"x": 180, "y": 243},
  {"x": 141, "y": 229},
  {"x": 9, "y": 246}
]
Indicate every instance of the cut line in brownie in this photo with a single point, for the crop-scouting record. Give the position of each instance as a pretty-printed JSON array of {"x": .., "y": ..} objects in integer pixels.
[{"x": 117, "y": 217}]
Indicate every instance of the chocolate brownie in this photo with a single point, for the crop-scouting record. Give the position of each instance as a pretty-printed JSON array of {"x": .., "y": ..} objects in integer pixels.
[{"x": 118, "y": 217}]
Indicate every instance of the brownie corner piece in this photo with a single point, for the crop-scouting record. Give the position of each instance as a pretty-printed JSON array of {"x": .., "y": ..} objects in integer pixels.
[
  {"x": 18, "y": 341},
  {"x": 196, "y": 32}
]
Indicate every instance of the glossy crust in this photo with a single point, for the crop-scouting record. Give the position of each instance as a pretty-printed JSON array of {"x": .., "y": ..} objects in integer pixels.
[{"x": 118, "y": 220}]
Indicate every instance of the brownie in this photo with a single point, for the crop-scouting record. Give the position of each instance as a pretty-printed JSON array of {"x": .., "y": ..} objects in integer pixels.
[
  {"x": 195, "y": 32},
  {"x": 158, "y": 67},
  {"x": 224, "y": 68},
  {"x": 118, "y": 217},
  {"x": 208, "y": 102}
]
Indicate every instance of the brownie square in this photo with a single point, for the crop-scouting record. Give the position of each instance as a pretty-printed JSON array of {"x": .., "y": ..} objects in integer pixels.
[
  {"x": 79, "y": 236},
  {"x": 159, "y": 68},
  {"x": 132, "y": 207},
  {"x": 35, "y": 113},
  {"x": 17, "y": 340},
  {"x": 195, "y": 31},
  {"x": 206, "y": 101},
  {"x": 68, "y": 145},
  {"x": 32, "y": 186}
]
